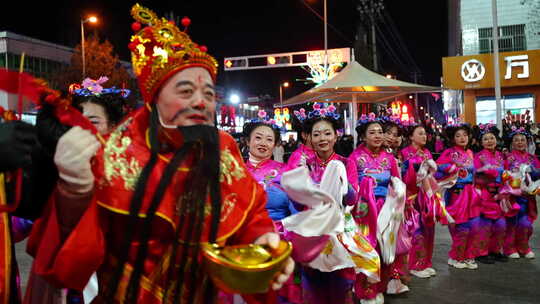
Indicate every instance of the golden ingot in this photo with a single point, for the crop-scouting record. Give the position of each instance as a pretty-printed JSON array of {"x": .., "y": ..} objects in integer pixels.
[
  {"x": 245, "y": 269},
  {"x": 515, "y": 183}
]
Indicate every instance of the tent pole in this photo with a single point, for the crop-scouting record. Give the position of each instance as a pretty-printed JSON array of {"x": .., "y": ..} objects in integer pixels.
[{"x": 354, "y": 118}]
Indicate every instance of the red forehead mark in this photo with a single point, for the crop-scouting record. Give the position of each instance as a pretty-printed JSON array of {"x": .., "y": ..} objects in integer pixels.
[{"x": 199, "y": 80}]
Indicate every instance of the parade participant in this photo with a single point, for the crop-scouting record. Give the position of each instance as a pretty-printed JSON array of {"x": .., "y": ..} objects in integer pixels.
[
  {"x": 104, "y": 108},
  {"x": 279, "y": 151},
  {"x": 392, "y": 135},
  {"x": 321, "y": 128},
  {"x": 519, "y": 227},
  {"x": 373, "y": 168},
  {"x": 393, "y": 129},
  {"x": 262, "y": 136},
  {"x": 164, "y": 181},
  {"x": 305, "y": 150},
  {"x": 17, "y": 141},
  {"x": 421, "y": 197},
  {"x": 461, "y": 200},
  {"x": 489, "y": 166}
]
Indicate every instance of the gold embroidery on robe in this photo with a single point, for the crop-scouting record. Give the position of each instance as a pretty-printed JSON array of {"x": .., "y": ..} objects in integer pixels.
[
  {"x": 116, "y": 164},
  {"x": 230, "y": 168}
]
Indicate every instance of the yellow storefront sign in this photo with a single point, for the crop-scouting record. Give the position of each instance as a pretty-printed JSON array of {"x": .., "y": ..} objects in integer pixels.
[{"x": 521, "y": 68}]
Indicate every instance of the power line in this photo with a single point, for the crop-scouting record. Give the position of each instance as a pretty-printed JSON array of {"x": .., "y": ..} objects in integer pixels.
[
  {"x": 343, "y": 36},
  {"x": 388, "y": 21},
  {"x": 390, "y": 51}
]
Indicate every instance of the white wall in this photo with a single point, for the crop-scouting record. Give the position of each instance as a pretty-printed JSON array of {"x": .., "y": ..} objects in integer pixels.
[{"x": 476, "y": 14}]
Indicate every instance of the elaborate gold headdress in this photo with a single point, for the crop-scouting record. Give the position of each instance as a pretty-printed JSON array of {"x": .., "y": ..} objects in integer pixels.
[{"x": 160, "y": 49}]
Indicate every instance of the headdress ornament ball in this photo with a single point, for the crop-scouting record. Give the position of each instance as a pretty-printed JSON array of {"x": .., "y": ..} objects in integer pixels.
[
  {"x": 319, "y": 110},
  {"x": 364, "y": 119},
  {"x": 93, "y": 87}
]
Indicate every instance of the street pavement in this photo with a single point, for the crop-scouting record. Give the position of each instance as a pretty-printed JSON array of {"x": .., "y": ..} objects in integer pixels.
[{"x": 515, "y": 282}]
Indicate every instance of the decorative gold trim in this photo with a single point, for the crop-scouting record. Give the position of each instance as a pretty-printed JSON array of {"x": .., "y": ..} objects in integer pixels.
[
  {"x": 241, "y": 222},
  {"x": 114, "y": 158},
  {"x": 141, "y": 215}
]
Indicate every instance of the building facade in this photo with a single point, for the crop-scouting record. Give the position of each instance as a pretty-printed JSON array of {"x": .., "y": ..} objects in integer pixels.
[
  {"x": 473, "y": 75},
  {"x": 41, "y": 60}
]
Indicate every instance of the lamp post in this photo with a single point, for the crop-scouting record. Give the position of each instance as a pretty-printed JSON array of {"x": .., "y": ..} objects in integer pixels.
[
  {"x": 325, "y": 39},
  {"x": 281, "y": 86},
  {"x": 91, "y": 19}
]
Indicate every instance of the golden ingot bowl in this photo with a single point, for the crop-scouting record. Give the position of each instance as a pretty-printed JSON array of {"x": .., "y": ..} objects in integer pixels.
[{"x": 245, "y": 269}]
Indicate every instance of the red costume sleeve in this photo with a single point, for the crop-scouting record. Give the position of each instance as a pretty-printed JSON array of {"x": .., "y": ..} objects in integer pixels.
[
  {"x": 55, "y": 258},
  {"x": 257, "y": 221}
]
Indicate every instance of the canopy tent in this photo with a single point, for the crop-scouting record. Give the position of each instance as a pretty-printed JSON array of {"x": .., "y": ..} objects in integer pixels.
[{"x": 355, "y": 83}]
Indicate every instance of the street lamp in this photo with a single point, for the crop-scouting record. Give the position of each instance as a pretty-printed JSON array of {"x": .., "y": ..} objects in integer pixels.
[
  {"x": 91, "y": 19},
  {"x": 281, "y": 86},
  {"x": 234, "y": 99}
]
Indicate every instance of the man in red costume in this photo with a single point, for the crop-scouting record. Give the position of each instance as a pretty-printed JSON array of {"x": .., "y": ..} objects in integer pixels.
[{"x": 135, "y": 208}]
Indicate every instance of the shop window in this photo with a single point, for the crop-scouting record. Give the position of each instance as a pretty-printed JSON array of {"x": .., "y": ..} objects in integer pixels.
[
  {"x": 3, "y": 60},
  {"x": 13, "y": 61},
  {"x": 511, "y": 38},
  {"x": 516, "y": 104}
]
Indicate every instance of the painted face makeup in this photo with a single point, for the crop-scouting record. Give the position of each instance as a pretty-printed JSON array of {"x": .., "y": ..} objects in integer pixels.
[
  {"x": 489, "y": 141},
  {"x": 374, "y": 136},
  {"x": 188, "y": 98},
  {"x": 323, "y": 137}
]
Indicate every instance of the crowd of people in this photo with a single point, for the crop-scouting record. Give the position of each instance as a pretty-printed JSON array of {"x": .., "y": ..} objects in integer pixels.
[
  {"x": 117, "y": 203},
  {"x": 486, "y": 198}
]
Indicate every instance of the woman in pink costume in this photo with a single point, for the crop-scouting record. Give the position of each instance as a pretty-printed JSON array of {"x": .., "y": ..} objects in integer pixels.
[
  {"x": 393, "y": 138},
  {"x": 304, "y": 150},
  {"x": 519, "y": 227},
  {"x": 319, "y": 287},
  {"x": 489, "y": 166},
  {"x": 262, "y": 136},
  {"x": 322, "y": 286},
  {"x": 373, "y": 168},
  {"x": 421, "y": 197},
  {"x": 461, "y": 198}
]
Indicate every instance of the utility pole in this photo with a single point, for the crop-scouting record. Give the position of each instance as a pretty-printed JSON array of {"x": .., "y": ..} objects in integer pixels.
[
  {"x": 415, "y": 75},
  {"x": 497, "y": 78},
  {"x": 325, "y": 39},
  {"x": 370, "y": 10},
  {"x": 374, "y": 44}
]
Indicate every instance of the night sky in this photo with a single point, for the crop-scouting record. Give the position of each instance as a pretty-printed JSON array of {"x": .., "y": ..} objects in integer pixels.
[{"x": 236, "y": 28}]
